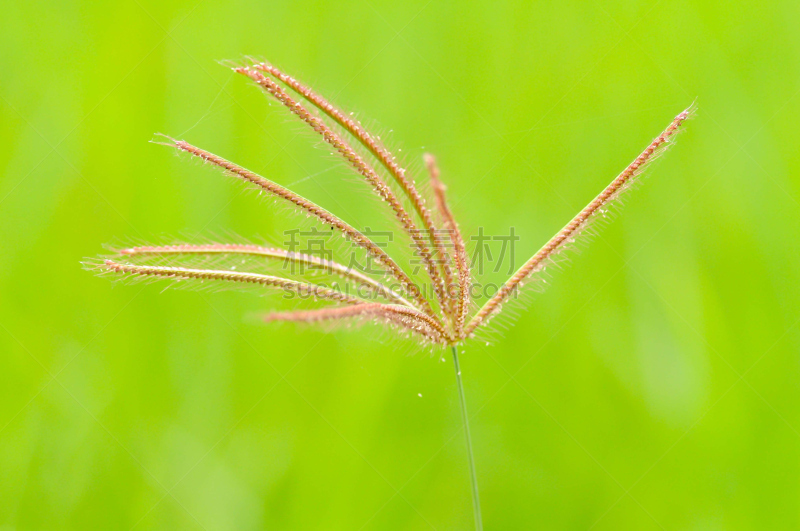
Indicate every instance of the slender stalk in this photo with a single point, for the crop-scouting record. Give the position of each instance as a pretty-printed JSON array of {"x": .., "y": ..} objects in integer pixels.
[{"x": 476, "y": 502}]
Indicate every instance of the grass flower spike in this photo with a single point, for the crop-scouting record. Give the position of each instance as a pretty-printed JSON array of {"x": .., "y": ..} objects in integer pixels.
[
  {"x": 441, "y": 247},
  {"x": 437, "y": 311}
]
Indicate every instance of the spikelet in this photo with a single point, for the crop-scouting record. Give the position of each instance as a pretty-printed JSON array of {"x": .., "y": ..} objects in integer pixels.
[
  {"x": 580, "y": 223},
  {"x": 304, "y": 289},
  {"x": 407, "y": 318},
  {"x": 299, "y": 259},
  {"x": 462, "y": 298}
]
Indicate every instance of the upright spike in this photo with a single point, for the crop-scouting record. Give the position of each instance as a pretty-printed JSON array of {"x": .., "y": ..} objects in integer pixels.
[
  {"x": 462, "y": 261},
  {"x": 579, "y": 222}
]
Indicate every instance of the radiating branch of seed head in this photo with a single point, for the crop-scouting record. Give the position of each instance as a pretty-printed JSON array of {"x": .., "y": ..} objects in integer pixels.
[
  {"x": 461, "y": 259},
  {"x": 407, "y": 318},
  {"x": 182, "y": 273},
  {"x": 358, "y": 163},
  {"x": 379, "y": 151},
  {"x": 269, "y": 253},
  {"x": 315, "y": 210},
  {"x": 579, "y": 222}
]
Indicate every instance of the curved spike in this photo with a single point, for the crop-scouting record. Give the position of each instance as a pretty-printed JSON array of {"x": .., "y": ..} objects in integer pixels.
[
  {"x": 315, "y": 210},
  {"x": 355, "y": 160},
  {"x": 379, "y": 151},
  {"x": 300, "y": 288},
  {"x": 409, "y": 318},
  {"x": 268, "y": 252}
]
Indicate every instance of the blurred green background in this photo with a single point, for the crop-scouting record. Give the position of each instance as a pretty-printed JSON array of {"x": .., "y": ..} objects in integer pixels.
[{"x": 654, "y": 385}]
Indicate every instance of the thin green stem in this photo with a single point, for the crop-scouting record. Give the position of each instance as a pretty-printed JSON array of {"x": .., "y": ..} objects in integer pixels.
[{"x": 476, "y": 502}]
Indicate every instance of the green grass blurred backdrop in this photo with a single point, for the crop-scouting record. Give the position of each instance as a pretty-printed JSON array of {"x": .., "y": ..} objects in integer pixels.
[{"x": 653, "y": 386}]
